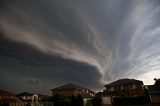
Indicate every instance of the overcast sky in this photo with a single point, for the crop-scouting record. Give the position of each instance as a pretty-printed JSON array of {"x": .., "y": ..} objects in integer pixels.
[{"x": 48, "y": 43}]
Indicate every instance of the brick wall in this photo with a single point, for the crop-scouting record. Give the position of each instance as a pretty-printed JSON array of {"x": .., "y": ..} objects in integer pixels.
[{"x": 127, "y": 90}]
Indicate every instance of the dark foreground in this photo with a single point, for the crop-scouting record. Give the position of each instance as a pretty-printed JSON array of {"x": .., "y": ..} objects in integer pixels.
[{"x": 134, "y": 105}]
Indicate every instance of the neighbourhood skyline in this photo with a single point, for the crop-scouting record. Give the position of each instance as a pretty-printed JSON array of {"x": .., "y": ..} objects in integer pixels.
[{"x": 44, "y": 44}]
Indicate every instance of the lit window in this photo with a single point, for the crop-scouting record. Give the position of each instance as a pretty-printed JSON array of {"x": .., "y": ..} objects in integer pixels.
[
  {"x": 24, "y": 97},
  {"x": 87, "y": 91}
]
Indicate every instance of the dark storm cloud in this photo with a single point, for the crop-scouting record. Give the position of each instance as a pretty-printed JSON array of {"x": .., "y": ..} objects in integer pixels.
[
  {"x": 38, "y": 66},
  {"x": 87, "y": 42}
]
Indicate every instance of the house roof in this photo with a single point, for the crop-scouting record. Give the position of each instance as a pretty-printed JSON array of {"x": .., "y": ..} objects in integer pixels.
[
  {"x": 124, "y": 81},
  {"x": 24, "y": 94},
  {"x": 3, "y": 92},
  {"x": 153, "y": 88},
  {"x": 7, "y": 96},
  {"x": 68, "y": 86}
]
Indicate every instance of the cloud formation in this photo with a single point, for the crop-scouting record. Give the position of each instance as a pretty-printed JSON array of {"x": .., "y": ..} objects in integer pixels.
[{"x": 88, "y": 42}]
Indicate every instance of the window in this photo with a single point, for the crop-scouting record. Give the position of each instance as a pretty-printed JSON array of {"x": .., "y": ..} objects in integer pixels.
[
  {"x": 87, "y": 91},
  {"x": 122, "y": 86},
  {"x": 108, "y": 88},
  {"x": 83, "y": 90},
  {"x": 130, "y": 86},
  {"x": 112, "y": 88},
  {"x": 24, "y": 97},
  {"x": 92, "y": 94},
  {"x": 134, "y": 86}
]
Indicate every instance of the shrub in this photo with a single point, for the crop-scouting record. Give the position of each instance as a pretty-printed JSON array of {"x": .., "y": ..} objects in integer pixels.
[
  {"x": 65, "y": 100},
  {"x": 96, "y": 101},
  {"x": 130, "y": 100},
  {"x": 89, "y": 103},
  {"x": 80, "y": 100}
]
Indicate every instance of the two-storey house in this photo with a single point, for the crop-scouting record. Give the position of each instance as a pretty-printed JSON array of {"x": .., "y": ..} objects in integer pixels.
[
  {"x": 72, "y": 89},
  {"x": 124, "y": 87}
]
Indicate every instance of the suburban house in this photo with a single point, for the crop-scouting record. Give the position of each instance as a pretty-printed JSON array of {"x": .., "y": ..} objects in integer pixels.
[
  {"x": 24, "y": 96},
  {"x": 30, "y": 97},
  {"x": 37, "y": 97},
  {"x": 6, "y": 96},
  {"x": 154, "y": 91},
  {"x": 124, "y": 87},
  {"x": 73, "y": 89}
]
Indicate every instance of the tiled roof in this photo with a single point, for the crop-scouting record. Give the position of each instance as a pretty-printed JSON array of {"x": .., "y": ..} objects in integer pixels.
[
  {"x": 7, "y": 96},
  {"x": 153, "y": 89},
  {"x": 3, "y": 92},
  {"x": 69, "y": 86},
  {"x": 24, "y": 94},
  {"x": 124, "y": 81}
]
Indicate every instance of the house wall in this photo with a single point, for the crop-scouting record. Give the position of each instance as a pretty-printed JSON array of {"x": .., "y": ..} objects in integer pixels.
[
  {"x": 81, "y": 91},
  {"x": 155, "y": 98},
  {"x": 26, "y": 97},
  {"x": 67, "y": 91},
  {"x": 106, "y": 100},
  {"x": 8, "y": 98},
  {"x": 72, "y": 92},
  {"x": 135, "y": 90},
  {"x": 84, "y": 91},
  {"x": 126, "y": 89}
]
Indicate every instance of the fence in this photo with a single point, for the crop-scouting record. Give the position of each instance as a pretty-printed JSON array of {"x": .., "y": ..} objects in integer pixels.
[{"x": 27, "y": 104}]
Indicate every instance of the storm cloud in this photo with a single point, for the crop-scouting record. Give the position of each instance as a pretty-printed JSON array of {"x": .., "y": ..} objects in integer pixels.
[{"x": 44, "y": 44}]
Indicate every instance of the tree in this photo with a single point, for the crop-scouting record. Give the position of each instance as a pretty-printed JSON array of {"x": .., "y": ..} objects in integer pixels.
[
  {"x": 80, "y": 100},
  {"x": 74, "y": 101}
]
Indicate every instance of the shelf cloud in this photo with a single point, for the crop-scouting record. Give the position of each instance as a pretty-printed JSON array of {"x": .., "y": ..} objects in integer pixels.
[{"x": 44, "y": 44}]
